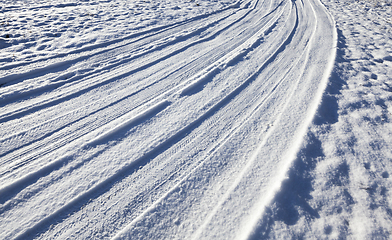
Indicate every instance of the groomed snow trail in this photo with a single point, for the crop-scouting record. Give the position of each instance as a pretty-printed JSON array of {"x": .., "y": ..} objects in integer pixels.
[{"x": 184, "y": 131}]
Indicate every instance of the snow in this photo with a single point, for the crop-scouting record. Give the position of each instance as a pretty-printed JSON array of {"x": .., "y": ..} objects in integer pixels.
[
  {"x": 339, "y": 185},
  {"x": 198, "y": 119},
  {"x": 37, "y": 28}
]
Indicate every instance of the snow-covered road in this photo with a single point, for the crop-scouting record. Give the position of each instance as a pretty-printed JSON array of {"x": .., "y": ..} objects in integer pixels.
[{"x": 180, "y": 131}]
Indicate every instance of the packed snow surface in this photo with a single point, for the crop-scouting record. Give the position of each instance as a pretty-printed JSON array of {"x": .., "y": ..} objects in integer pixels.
[{"x": 200, "y": 119}]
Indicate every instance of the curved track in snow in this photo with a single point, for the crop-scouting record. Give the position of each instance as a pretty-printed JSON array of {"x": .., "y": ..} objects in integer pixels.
[{"x": 181, "y": 132}]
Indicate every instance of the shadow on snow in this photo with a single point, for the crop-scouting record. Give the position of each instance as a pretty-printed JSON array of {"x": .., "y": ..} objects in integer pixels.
[{"x": 292, "y": 200}]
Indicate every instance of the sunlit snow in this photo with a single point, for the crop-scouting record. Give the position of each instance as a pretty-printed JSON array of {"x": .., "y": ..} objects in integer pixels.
[{"x": 195, "y": 119}]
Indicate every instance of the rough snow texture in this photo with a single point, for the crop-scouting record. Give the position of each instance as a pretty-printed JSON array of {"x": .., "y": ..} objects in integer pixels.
[
  {"x": 195, "y": 119},
  {"x": 340, "y": 185},
  {"x": 34, "y": 28}
]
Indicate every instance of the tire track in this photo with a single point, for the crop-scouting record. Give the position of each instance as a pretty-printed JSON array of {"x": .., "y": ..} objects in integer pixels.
[
  {"x": 115, "y": 43},
  {"x": 187, "y": 129},
  {"x": 121, "y": 74},
  {"x": 132, "y": 229},
  {"x": 221, "y": 109},
  {"x": 30, "y": 158},
  {"x": 125, "y": 233},
  {"x": 53, "y": 165},
  {"x": 17, "y": 113},
  {"x": 79, "y": 93}
]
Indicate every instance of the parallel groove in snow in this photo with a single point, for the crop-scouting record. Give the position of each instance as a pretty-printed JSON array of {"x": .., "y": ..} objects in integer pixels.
[
  {"x": 33, "y": 157},
  {"x": 124, "y": 233},
  {"x": 59, "y": 100},
  {"x": 210, "y": 102},
  {"x": 49, "y": 105}
]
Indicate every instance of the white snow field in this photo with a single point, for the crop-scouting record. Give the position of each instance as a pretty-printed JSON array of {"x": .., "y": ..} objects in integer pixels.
[{"x": 201, "y": 119}]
